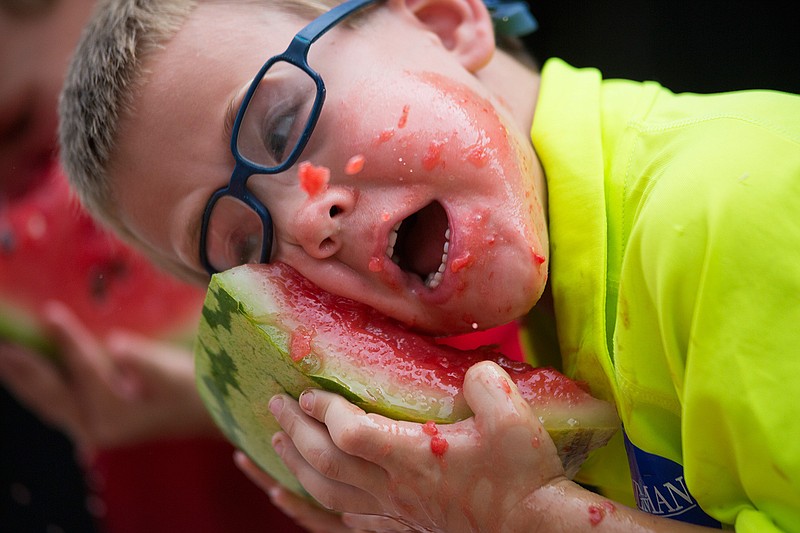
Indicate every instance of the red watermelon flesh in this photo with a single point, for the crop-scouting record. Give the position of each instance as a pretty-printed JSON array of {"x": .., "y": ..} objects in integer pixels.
[
  {"x": 266, "y": 329},
  {"x": 50, "y": 249}
]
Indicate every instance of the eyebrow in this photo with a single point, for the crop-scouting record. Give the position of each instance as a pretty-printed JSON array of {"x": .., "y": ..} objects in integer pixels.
[{"x": 232, "y": 109}]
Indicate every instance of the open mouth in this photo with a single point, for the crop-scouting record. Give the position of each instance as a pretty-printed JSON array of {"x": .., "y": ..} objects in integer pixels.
[{"x": 419, "y": 244}]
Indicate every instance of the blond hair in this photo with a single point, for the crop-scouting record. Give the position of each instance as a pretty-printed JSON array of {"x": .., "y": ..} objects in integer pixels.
[
  {"x": 104, "y": 74},
  {"x": 99, "y": 87}
]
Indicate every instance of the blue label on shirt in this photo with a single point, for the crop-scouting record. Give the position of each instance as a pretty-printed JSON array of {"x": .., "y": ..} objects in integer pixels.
[{"x": 660, "y": 489}]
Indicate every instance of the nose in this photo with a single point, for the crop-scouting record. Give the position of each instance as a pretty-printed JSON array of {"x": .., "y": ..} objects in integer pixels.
[{"x": 318, "y": 223}]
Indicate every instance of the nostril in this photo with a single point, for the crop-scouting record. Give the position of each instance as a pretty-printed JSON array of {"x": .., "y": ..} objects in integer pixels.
[
  {"x": 335, "y": 210},
  {"x": 327, "y": 247}
]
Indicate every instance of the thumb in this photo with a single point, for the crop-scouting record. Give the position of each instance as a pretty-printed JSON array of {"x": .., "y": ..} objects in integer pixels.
[
  {"x": 144, "y": 363},
  {"x": 80, "y": 351},
  {"x": 494, "y": 398}
]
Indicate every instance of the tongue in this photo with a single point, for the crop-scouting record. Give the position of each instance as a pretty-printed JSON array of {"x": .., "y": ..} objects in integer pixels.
[{"x": 422, "y": 240}]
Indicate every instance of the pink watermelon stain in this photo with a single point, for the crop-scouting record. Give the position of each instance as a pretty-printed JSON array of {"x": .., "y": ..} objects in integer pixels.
[
  {"x": 490, "y": 141},
  {"x": 376, "y": 264},
  {"x": 313, "y": 179},
  {"x": 478, "y": 156},
  {"x": 461, "y": 262},
  {"x": 300, "y": 343},
  {"x": 598, "y": 512},
  {"x": 433, "y": 156},
  {"x": 536, "y": 442},
  {"x": 439, "y": 444},
  {"x": 355, "y": 165},
  {"x": 385, "y": 135},
  {"x": 538, "y": 258},
  {"x": 429, "y": 428},
  {"x": 401, "y": 123}
]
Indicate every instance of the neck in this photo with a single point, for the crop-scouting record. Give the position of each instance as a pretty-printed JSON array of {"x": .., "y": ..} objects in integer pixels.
[{"x": 514, "y": 85}]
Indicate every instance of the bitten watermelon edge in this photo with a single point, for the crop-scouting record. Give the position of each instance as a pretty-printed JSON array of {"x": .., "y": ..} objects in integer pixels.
[{"x": 267, "y": 330}]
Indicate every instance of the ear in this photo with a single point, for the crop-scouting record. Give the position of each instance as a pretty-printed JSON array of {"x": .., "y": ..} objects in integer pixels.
[{"x": 463, "y": 26}]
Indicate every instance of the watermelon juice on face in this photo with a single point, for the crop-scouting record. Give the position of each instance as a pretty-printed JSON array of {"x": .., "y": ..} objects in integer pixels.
[{"x": 437, "y": 147}]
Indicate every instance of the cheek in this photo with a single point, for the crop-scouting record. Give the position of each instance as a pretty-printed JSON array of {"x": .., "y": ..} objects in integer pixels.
[{"x": 425, "y": 122}]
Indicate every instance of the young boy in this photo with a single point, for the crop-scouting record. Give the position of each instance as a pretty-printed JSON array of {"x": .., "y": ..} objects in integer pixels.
[{"x": 660, "y": 232}]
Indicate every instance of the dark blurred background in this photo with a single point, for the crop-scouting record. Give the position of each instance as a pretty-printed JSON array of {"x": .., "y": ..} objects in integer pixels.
[{"x": 701, "y": 46}]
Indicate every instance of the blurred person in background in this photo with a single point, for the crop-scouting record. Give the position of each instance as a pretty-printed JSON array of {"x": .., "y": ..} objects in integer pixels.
[{"x": 115, "y": 439}]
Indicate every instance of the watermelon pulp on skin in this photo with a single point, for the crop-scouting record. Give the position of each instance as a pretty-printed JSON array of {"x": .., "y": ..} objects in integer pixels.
[
  {"x": 266, "y": 330},
  {"x": 52, "y": 250}
]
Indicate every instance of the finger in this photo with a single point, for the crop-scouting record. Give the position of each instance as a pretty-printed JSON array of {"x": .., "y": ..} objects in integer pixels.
[
  {"x": 494, "y": 398},
  {"x": 80, "y": 350},
  {"x": 315, "y": 443},
  {"x": 308, "y": 514},
  {"x": 330, "y": 493},
  {"x": 507, "y": 422},
  {"x": 158, "y": 378},
  {"x": 260, "y": 478},
  {"x": 383, "y": 524},
  {"x": 38, "y": 384},
  {"x": 143, "y": 365},
  {"x": 335, "y": 479},
  {"x": 371, "y": 437},
  {"x": 304, "y": 511}
]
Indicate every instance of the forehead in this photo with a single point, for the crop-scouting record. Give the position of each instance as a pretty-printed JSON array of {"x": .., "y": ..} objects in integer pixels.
[{"x": 172, "y": 150}]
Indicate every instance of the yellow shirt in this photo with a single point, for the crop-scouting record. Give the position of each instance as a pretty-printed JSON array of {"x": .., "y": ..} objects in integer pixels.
[{"x": 675, "y": 270}]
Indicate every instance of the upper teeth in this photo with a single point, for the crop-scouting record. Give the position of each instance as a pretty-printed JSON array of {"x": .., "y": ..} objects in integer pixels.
[{"x": 434, "y": 278}]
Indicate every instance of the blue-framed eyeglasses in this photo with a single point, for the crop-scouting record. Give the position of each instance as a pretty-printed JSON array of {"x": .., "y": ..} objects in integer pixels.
[{"x": 273, "y": 125}]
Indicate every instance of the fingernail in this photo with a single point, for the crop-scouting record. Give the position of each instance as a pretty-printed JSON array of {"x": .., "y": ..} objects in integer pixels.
[
  {"x": 116, "y": 342},
  {"x": 276, "y": 405},
  {"x": 274, "y": 494},
  {"x": 307, "y": 401},
  {"x": 239, "y": 459}
]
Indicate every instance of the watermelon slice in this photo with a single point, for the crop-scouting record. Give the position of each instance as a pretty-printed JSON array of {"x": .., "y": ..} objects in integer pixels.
[
  {"x": 52, "y": 250},
  {"x": 266, "y": 330}
]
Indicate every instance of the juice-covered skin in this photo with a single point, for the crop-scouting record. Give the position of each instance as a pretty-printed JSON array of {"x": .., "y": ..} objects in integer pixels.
[{"x": 435, "y": 143}]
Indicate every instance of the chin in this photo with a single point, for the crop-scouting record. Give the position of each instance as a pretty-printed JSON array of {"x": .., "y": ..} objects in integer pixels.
[{"x": 486, "y": 308}]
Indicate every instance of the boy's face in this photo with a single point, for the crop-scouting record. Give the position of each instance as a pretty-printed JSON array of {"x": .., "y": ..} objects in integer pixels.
[
  {"x": 34, "y": 53},
  {"x": 434, "y": 145}
]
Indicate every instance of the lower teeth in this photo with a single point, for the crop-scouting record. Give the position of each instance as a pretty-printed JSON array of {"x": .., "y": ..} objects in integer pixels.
[{"x": 434, "y": 279}]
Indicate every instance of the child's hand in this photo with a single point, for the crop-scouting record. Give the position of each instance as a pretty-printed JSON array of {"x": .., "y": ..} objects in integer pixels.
[
  {"x": 308, "y": 514},
  {"x": 123, "y": 391},
  {"x": 472, "y": 475}
]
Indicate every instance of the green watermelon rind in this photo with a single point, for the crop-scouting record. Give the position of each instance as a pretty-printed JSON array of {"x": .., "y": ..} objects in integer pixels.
[
  {"x": 22, "y": 329},
  {"x": 238, "y": 401},
  {"x": 237, "y": 389}
]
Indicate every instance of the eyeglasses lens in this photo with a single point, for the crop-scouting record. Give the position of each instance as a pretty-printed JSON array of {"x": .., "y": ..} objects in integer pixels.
[
  {"x": 276, "y": 115},
  {"x": 235, "y": 234}
]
